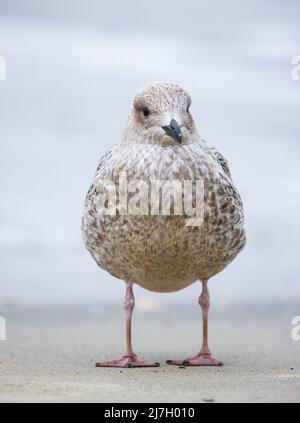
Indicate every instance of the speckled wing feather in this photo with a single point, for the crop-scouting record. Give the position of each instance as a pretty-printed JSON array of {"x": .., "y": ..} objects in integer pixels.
[
  {"x": 218, "y": 156},
  {"x": 100, "y": 172},
  {"x": 223, "y": 162},
  {"x": 91, "y": 218}
]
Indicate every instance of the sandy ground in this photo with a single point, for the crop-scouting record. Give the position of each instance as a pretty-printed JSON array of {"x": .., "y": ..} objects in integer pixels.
[{"x": 49, "y": 355}]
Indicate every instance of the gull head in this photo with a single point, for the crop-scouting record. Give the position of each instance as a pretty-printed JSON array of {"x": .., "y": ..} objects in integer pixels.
[{"x": 161, "y": 114}]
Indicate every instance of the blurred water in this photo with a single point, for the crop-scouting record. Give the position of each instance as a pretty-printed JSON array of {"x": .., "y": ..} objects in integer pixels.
[{"x": 72, "y": 69}]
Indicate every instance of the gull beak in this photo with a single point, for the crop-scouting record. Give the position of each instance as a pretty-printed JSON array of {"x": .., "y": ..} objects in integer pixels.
[{"x": 173, "y": 130}]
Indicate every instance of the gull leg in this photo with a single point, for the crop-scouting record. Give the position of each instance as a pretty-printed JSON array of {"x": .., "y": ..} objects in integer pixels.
[
  {"x": 204, "y": 357},
  {"x": 129, "y": 359}
]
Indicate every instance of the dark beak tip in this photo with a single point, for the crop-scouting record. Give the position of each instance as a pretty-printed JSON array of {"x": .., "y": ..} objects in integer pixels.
[{"x": 173, "y": 130}]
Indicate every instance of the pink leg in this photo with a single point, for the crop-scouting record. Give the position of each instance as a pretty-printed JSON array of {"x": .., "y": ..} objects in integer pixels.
[
  {"x": 129, "y": 359},
  {"x": 204, "y": 357}
]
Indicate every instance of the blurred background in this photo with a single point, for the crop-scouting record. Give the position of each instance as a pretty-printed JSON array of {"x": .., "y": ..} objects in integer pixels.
[{"x": 72, "y": 68}]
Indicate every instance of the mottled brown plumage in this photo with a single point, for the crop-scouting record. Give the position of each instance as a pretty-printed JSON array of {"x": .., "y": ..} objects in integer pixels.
[{"x": 162, "y": 253}]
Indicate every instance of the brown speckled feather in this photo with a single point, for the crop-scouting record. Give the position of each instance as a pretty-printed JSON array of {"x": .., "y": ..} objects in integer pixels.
[{"x": 161, "y": 253}]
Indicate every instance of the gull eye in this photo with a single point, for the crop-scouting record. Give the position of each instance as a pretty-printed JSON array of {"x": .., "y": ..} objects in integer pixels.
[
  {"x": 188, "y": 109},
  {"x": 146, "y": 111}
]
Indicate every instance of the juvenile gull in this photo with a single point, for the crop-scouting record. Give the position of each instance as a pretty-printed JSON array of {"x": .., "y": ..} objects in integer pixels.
[{"x": 162, "y": 253}]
